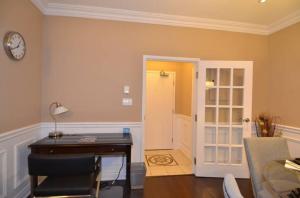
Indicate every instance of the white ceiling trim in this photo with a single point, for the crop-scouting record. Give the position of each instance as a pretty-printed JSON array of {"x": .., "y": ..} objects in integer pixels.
[
  {"x": 57, "y": 9},
  {"x": 284, "y": 22},
  {"x": 40, "y": 4}
]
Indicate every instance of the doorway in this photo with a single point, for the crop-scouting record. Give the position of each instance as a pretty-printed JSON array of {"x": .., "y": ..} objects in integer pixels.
[
  {"x": 168, "y": 116},
  {"x": 221, "y": 115}
]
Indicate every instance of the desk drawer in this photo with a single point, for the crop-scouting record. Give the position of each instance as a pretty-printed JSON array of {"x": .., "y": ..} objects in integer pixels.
[{"x": 98, "y": 150}]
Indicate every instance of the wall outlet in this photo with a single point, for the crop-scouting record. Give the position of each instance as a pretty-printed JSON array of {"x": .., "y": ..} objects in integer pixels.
[{"x": 127, "y": 101}]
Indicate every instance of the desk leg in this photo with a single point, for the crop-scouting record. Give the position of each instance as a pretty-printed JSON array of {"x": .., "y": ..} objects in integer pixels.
[
  {"x": 128, "y": 167},
  {"x": 33, "y": 185}
]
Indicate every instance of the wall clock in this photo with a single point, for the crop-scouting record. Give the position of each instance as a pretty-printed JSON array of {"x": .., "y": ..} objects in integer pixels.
[{"x": 14, "y": 45}]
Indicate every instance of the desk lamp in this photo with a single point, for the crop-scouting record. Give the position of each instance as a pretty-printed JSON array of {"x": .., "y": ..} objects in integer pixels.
[{"x": 55, "y": 109}]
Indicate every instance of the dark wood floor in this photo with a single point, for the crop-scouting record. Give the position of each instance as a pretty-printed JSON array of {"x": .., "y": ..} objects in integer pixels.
[{"x": 187, "y": 186}]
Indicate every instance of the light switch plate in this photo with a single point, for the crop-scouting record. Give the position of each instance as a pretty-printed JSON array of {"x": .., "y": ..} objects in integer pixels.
[
  {"x": 126, "y": 89},
  {"x": 127, "y": 101}
]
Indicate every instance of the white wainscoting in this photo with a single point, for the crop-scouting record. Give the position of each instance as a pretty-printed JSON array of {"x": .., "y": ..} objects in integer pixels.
[
  {"x": 292, "y": 134},
  {"x": 14, "y": 182},
  {"x": 3, "y": 173},
  {"x": 13, "y": 161},
  {"x": 183, "y": 134},
  {"x": 110, "y": 165},
  {"x": 14, "y": 151}
]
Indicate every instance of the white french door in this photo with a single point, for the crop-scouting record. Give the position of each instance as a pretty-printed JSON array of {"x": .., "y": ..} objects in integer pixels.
[
  {"x": 224, "y": 117},
  {"x": 160, "y": 105}
]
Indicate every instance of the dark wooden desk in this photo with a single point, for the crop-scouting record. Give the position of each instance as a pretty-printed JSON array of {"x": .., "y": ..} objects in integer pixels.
[{"x": 104, "y": 144}]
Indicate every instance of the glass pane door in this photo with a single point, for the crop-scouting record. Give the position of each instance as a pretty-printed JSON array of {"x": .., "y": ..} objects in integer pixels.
[
  {"x": 224, "y": 115},
  {"x": 225, "y": 108}
]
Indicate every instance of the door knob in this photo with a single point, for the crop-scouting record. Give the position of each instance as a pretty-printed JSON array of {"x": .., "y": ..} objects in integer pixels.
[{"x": 246, "y": 120}]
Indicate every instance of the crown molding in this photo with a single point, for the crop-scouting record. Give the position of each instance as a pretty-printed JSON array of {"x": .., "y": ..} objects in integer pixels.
[
  {"x": 59, "y": 9},
  {"x": 284, "y": 22},
  {"x": 40, "y": 4}
]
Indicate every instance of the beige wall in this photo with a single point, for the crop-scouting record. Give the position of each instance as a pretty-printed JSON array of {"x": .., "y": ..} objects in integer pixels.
[
  {"x": 183, "y": 84},
  {"x": 88, "y": 61},
  {"x": 284, "y": 86},
  {"x": 185, "y": 94},
  {"x": 20, "y": 81}
]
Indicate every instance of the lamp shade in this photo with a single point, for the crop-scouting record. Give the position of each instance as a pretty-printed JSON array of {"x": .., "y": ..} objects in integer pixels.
[{"x": 60, "y": 110}]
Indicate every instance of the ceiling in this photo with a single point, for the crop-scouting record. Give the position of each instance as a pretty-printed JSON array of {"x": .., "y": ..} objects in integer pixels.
[{"x": 251, "y": 12}]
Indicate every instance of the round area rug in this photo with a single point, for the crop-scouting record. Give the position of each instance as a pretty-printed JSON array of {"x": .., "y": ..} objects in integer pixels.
[{"x": 161, "y": 160}]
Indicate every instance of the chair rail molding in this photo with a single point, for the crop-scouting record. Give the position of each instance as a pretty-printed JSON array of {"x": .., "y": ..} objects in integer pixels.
[
  {"x": 291, "y": 134},
  {"x": 61, "y": 9}
]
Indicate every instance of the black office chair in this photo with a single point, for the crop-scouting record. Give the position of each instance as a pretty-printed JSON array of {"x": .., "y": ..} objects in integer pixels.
[{"x": 66, "y": 175}]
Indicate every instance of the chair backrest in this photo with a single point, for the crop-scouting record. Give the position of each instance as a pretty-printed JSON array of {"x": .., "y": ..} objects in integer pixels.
[
  {"x": 61, "y": 165},
  {"x": 261, "y": 150},
  {"x": 230, "y": 187}
]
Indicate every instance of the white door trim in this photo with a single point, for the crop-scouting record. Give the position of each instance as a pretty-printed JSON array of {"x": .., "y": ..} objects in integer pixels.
[{"x": 196, "y": 62}]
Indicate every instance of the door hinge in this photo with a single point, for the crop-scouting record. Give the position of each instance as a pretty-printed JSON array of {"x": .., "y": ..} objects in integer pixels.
[
  {"x": 195, "y": 160},
  {"x": 197, "y": 75},
  {"x": 172, "y": 140},
  {"x": 196, "y": 117}
]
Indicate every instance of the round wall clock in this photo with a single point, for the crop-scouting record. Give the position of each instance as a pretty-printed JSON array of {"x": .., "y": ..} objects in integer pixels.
[{"x": 14, "y": 45}]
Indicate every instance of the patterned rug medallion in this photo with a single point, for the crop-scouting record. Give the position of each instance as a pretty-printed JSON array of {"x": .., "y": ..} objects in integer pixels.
[{"x": 161, "y": 160}]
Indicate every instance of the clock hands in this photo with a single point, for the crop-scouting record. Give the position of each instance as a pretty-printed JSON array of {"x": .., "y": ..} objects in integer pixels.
[{"x": 16, "y": 46}]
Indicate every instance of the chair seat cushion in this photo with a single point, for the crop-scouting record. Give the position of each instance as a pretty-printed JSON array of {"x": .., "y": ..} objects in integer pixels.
[{"x": 71, "y": 185}]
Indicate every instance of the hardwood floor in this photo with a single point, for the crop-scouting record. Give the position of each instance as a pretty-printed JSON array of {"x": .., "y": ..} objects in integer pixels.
[{"x": 186, "y": 186}]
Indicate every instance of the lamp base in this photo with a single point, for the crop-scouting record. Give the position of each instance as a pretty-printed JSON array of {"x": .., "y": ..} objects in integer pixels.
[{"x": 55, "y": 134}]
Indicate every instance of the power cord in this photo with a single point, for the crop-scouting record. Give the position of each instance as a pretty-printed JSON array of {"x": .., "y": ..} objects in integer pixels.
[
  {"x": 107, "y": 186},
  {"x": 113, "y": 182}
]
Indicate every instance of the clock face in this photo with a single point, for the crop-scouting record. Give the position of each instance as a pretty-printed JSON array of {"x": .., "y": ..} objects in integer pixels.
[{"x": 14, "y": 45}]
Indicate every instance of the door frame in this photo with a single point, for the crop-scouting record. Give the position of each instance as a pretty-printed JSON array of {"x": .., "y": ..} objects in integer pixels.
[
  {"x": 173, "y": 97},
  {"x": 196, "y": 62}
]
